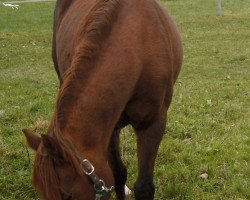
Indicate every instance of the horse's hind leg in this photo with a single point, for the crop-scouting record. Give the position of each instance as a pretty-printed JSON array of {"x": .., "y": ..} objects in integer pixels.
[
  {"x": 118, "y": 168},
  {"x": 148, "y": 141}
]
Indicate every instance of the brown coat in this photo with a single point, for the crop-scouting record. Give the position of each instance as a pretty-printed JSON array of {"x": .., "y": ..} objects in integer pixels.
[{"x": 117, "y": 61}]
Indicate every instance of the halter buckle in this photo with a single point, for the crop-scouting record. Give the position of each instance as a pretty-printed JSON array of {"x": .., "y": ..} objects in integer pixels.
[{"x": 87, "y": 167}]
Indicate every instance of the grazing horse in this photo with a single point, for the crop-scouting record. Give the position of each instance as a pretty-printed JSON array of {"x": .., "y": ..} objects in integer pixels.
[{"x": 117, "y": 61}]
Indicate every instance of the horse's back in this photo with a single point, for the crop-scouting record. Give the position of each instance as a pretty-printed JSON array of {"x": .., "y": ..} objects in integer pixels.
[{"x": 142, "y": 27}]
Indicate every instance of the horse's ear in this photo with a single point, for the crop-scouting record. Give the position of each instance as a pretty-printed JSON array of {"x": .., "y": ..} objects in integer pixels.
[
  {"x": 32, "y": 139},
  {"x": 53, "y": 148}
]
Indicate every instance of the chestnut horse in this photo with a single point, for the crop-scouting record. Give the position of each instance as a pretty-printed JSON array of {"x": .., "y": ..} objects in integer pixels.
[{"x": 117, "y": 61}]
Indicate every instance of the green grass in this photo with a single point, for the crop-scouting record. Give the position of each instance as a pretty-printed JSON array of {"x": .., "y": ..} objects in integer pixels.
[{"x": 208, "y": 122}]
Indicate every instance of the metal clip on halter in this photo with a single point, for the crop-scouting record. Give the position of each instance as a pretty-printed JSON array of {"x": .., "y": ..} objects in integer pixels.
[
  {"x": 101, "y": 189},
  {"x": 89, "y": 170},
  {"x": 99, "y": 185}
]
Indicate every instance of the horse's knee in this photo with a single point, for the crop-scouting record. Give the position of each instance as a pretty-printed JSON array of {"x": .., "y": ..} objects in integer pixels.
[{"x": 144, "y": 190}]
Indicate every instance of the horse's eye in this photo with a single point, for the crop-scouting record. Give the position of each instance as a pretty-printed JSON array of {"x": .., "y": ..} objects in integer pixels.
[{"x": 67, "y": 196}]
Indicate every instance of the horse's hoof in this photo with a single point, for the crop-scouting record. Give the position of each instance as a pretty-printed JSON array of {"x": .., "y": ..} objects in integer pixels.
[{"x": 128, "y": 192}]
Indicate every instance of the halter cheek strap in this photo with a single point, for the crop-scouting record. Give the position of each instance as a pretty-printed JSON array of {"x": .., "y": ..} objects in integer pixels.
[
  {"x": 88, "y": 169},
  {"x": 99, "y": 185}
]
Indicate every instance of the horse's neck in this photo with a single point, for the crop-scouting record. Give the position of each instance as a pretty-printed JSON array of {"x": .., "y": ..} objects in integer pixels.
[
  {"x": 61, "y": 7},
  {"x": 83, "y": 124}
]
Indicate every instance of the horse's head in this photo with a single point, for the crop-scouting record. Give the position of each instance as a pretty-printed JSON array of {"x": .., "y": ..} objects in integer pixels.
[{"x": 57, "y": 173}]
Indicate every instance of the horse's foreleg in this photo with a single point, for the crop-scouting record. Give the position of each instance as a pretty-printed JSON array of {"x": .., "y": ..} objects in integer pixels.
[
  {"x": 148, "y": 142},
  {"x": 118, "y": 168}
]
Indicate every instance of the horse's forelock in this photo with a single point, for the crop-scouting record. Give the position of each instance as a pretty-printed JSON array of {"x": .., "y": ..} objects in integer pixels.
[{"x": 45, "y": 178}]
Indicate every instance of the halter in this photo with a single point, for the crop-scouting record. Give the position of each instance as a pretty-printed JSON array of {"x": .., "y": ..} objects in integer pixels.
[
  {"x": 99, "y": 185},
  {"x": 88, "y": 169}
]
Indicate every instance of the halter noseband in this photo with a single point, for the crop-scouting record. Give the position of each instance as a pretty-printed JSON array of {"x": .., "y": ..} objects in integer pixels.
[{"x": 88, "y": 169}]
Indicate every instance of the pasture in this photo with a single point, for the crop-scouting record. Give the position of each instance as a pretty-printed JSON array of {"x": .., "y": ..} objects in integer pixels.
[{"x": 205, "y": 151}]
